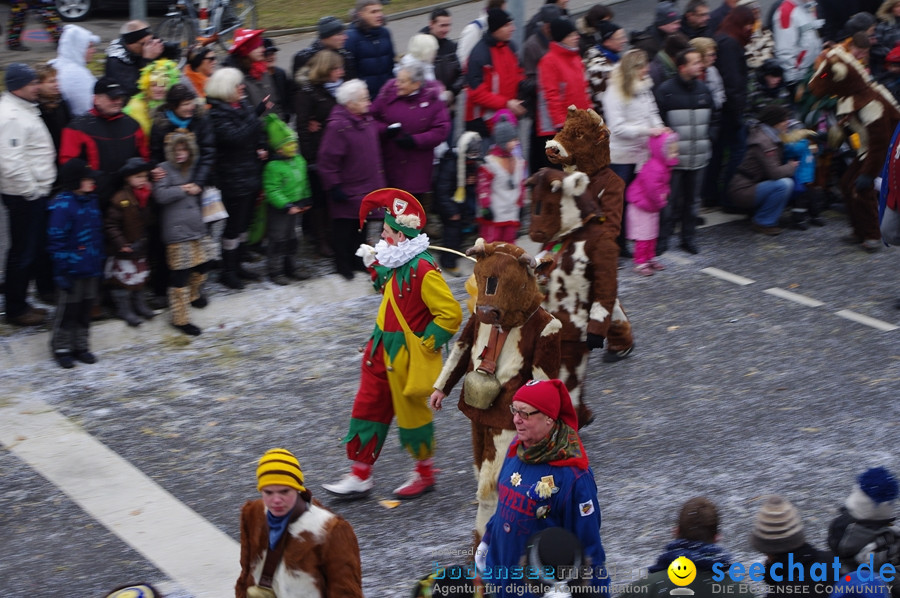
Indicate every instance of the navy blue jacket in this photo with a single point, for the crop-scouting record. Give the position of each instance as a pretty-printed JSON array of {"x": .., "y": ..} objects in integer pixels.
[
  {"x": 75, "y": 235},
  {"x": 373, "y": 53}
]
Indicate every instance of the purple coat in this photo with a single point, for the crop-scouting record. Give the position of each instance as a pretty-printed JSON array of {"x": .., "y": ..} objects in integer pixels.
[
  {"x": 349, "y": 156},
  {"x": 425, "y": 118}
]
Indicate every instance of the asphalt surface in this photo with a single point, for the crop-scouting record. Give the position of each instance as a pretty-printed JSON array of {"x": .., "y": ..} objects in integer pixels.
[{"x": 733, "y": 392}]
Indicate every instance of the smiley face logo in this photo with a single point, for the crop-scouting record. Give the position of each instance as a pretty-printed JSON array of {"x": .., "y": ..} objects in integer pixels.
[{"x": 682, "y": 571}]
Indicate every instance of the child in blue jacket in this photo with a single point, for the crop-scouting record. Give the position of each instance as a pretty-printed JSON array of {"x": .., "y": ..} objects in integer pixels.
[{"x": 75, "y": 244}]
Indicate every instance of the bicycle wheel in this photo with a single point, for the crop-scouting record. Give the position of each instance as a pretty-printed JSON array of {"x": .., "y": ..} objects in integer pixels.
[{"x": 180, "y": 30}]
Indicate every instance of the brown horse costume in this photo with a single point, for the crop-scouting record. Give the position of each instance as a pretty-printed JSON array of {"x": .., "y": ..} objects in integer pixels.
[
  {"x": 577, "y": 218},
  {"x": 868, "y": 109},
  {"x": 508, "y": 302}
]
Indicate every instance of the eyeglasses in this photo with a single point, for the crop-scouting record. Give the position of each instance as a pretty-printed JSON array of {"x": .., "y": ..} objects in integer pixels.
[
  {"x": 210, "y": 58},
  {"x": 522, "y": 414}
]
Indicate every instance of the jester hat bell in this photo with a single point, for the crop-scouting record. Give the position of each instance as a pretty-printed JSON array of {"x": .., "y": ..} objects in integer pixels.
[{"x": 402, "y": 211}]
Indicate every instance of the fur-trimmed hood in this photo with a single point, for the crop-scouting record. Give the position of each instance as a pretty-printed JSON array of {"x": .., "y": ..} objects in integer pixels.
[{"x": 176, "y": 137}]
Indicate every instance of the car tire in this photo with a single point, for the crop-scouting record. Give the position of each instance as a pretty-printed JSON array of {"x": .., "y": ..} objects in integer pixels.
[{"x": 74, "y": 10}]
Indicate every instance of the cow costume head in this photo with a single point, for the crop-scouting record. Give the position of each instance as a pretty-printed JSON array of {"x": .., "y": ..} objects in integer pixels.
[
  {"x": 582, "y": 144},
  {"x": 508, "y": 293},
  {"x": 559, "y": 204},
  {"x": 839, "y": 74}
]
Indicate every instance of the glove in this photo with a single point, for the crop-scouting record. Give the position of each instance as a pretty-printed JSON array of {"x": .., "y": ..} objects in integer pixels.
[
  {"x": 393, "y": 130},
  {"x": 487, "y": 214},
  {"x": 481, "y": 557},
  {"x": 367, "y": 253},
  {"x": 62, "y": 283},
  {"x": 406, "y": 142},
  {"x": 864, "y": 182},
  {"x": 338, "y": 195},
  {"x": 594, "y": 341}
]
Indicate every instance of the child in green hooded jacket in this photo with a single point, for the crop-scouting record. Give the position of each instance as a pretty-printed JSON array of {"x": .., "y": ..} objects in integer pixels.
[{"x": 288, "y": 195}]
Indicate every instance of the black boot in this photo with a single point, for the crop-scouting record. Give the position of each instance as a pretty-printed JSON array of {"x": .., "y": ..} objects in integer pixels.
[
  {"x": 816, "y": 205},
  {"x": 798, "y": 219},
  {"x": 122, "y": 299},
  {"x": 229, "y": 276},
  {"x": 291, "y": 270},
  {"x": 140, "y": 305},
  {"x": 242, "y": 252}
]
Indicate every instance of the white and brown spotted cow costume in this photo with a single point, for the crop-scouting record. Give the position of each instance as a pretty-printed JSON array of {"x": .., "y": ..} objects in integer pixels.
[
  {"x": 508, "y": 297},
  {"x": 577, "y": 217},
  {"x": 320, "y": 560}
]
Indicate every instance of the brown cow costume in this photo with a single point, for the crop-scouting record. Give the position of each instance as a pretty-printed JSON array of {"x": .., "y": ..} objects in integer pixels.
[
  {"x": 577, "y": 219},
  {"x": 868, "y": 109},
  {"x": 508, "y": 301}
]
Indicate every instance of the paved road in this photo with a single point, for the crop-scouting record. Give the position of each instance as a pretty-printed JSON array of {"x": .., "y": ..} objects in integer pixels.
[{"x": 735, "y": 391}]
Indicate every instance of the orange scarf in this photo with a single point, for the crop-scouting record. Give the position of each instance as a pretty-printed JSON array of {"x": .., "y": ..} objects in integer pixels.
[{"x": 198, "y": 80}]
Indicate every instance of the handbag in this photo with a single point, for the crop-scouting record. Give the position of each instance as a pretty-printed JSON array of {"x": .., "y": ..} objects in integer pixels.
[
  {"x": 424, "y": 364},
  {"x": 212, "y": 206},
  {"x": 481, "y": 386}
]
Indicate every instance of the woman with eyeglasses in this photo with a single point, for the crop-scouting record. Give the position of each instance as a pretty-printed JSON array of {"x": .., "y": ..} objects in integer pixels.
[
  {"x": 200, "y": 65},
  {"x": 545, "y": 482}
]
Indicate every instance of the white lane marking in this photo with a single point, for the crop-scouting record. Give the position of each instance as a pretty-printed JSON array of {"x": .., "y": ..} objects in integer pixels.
[
  {"x": 727, "y": 276},
  {"x": 861, "y": 319},
  {"x": 184, "y": 545},
  {"x": 795, "y": 297}
]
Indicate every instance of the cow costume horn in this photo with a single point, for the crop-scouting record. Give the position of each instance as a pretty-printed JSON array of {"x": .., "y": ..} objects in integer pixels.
[{"x": 402, "y": 211}]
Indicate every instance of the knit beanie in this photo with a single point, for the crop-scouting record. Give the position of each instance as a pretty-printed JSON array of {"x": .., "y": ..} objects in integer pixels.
[
  {"x": 73, "y": 172},
  {"x": 607, "y": 29},
  {"x": 279, "y": 467},
  {"x": 329, "y": 26},
  {"x": 278, "y": 132},
  {"x": 666, "y": 13},
  {"x": 560, "y": 28},
  {"x": 550, "y": 397},
  {"x": 504, "y": 132},
  {"x": 497, "y": 18},
  {"x": 874, "y": 495},
  {"x": 548, "y": 13},
  {"x": 861, "y": 21},
  {"x": 18, "y": 75},
  {"x": 777, "y": 528}
]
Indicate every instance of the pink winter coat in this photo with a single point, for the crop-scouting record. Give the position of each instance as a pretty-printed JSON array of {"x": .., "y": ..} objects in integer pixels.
[{"x": 647, "y": 195}]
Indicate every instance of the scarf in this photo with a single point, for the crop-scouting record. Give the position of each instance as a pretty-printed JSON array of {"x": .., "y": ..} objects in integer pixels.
[
  {"x": 198, "y": 80},
  {"x": 561, "y": 447},
  {"x": 180, "y": 123},
  {"x": 258, "y": 69},
  {"x": 394, "y": 256},
  {"x": 142, "y": 194},
  {"x": 277, "y": 526},
  {"x": 703, "y": 555}
]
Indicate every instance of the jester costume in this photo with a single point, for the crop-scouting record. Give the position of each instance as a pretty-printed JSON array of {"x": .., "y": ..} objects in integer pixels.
[{"x": 415, "y": 297}]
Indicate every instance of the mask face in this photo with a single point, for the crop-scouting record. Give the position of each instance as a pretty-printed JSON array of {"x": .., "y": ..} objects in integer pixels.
[{"x": 289, "y": 149}]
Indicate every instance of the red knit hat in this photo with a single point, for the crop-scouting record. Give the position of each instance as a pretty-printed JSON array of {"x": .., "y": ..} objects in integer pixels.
[
  {"x": 403, "y": 211},
  {"x": 245, "y": 41},
  {"x": 551, "y": 398}
]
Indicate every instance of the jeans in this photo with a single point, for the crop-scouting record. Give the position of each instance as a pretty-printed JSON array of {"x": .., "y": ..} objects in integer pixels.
[
  {"x": 626, "y": 173},
  {"x": 771, "y": 198},
  {"x": 27, "y": 239}
]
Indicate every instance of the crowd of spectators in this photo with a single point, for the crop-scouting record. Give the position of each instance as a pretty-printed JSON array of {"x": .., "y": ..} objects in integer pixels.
[{"x": 728, "y": 80}]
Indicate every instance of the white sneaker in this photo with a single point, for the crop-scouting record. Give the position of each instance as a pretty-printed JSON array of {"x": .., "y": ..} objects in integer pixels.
[{"x": 350, "y": 486}]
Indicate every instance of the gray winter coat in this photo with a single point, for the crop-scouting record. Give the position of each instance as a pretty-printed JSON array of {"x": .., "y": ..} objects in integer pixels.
[
  {"x": 687, "y": 108},
  {"x": 181, "y": 218}
]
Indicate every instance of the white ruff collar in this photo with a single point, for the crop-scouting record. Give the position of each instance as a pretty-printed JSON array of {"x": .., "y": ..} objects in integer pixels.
[{"x": 394, "y": 256}]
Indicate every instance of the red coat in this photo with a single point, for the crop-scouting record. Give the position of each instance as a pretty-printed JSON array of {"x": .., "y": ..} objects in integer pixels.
[
  {"x": 561, "y": 83},
  {"x": 492, "y": 77}
]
